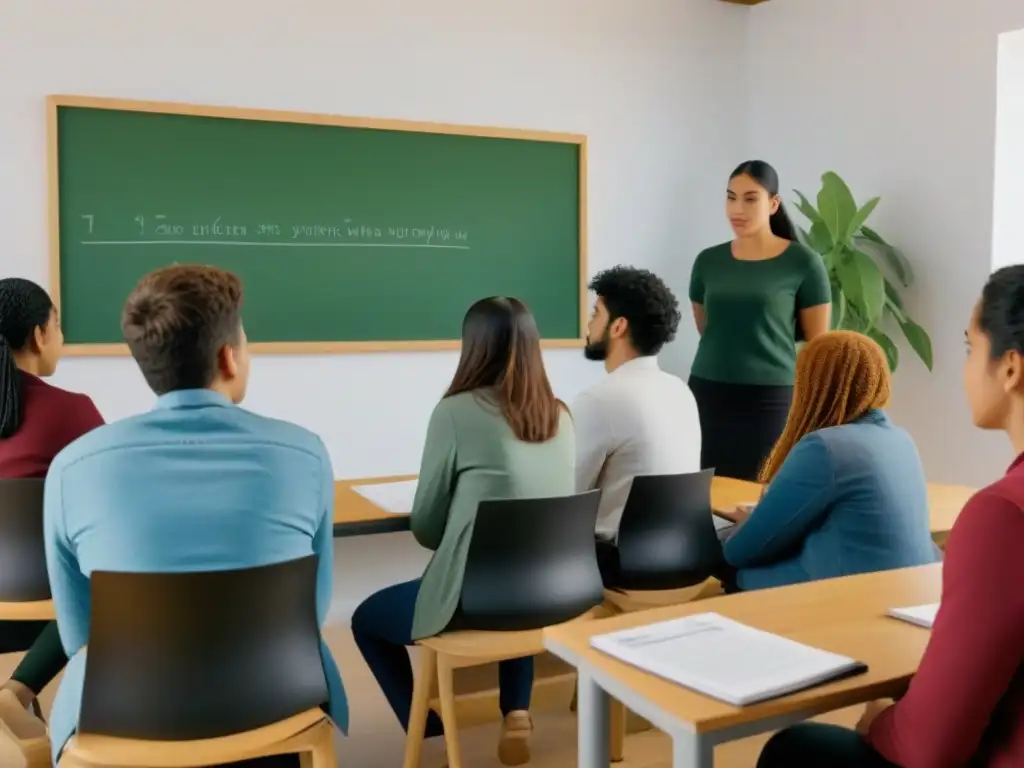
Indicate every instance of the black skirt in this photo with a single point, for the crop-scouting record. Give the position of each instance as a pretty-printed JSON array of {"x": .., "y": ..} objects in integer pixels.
[{"x": 739, "y": 424}]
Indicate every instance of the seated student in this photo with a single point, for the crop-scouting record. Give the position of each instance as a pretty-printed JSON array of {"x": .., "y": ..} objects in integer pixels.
[
  {"x": 965, "y": 705},
  {"x": 36, "y": 421},
  {"x": 638, "y": 420},
  {"x": 498, "y": 433},
  {"x": 113, "y": 499},
  {"x": 846, "y": 489}
]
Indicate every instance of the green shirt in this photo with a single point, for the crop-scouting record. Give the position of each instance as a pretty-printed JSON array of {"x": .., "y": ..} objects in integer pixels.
[
  {"x": 750, "y": 310},
  {"x": 471, "y": 454}
]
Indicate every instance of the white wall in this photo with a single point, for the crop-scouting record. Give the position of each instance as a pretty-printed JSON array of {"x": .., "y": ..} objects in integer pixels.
[
  {"x": 1008, "y": 198},
  {"x": 900, "y": 99},
  {"x": 650, "y": 83}
]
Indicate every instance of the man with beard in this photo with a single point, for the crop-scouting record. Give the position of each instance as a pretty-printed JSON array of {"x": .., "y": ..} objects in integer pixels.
[{"x": 639, "y": 420}]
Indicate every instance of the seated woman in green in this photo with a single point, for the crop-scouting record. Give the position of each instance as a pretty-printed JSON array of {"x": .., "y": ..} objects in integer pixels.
[
  {"x": 37, "y": 421},
  {"x": 498, "y": 433}
]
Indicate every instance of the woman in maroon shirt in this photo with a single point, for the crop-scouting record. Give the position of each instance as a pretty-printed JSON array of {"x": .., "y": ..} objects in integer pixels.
[
  {"x": 965, "y": 705},
  {"x": 36, "y": 422}
]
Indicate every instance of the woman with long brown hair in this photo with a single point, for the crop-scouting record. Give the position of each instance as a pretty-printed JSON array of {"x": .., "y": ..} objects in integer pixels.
[
  {"x": 846, "y": 491},
  {"x": 498, "y": 433}
]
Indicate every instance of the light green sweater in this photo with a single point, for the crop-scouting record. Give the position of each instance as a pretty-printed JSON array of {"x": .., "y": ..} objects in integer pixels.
[{"x": 471, "y": 455}]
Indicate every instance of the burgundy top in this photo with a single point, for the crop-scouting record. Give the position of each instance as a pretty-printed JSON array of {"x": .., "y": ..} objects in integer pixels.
[
  {"x": 50, "y": 419},
  {"x": 965, "y": 705}
]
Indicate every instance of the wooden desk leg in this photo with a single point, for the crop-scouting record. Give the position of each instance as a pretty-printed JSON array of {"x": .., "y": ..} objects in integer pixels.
[
  {"x": 690, "y": 750},
  {"x": 592, "y": 723}
]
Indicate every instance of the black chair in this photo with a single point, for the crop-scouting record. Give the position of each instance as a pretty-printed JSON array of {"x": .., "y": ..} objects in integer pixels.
[
  {"x": 667, "y": 543},
  {"x": 178, "y": 662},
  {"x": 23, "y": 577},
  {"x": 667, "y": 537},
  {"x": 531, "y": 564}
]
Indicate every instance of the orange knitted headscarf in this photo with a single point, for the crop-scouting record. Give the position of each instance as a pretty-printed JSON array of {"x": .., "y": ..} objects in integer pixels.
[{"x": 840, "y": 376}]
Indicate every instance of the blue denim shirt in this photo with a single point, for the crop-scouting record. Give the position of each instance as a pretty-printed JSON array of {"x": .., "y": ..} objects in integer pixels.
[
  {"x": 847, "y": 500},
  {"x": 195, "y": 484}
]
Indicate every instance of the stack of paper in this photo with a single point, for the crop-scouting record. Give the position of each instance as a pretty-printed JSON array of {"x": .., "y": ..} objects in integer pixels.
[
  {"x": 922, "y": 615},
  {"x": 724, "y": 659},
  {"x": 395, "y": 498},
  {"x": 721, "y": 522}
]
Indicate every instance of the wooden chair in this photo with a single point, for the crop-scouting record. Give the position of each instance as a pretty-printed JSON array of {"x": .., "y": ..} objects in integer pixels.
[
  {"x": 668, "y": 549},
  {"x": 531, "y": 564},
  {"x": 197, "y": 669}
]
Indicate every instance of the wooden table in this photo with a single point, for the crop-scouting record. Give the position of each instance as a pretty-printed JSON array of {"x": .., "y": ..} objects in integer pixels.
[
  {"x": 355, "y": 515},
  {"x": 845, "y": 616}
]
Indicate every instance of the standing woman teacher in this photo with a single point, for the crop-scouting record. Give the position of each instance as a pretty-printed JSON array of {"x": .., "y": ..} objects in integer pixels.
[{"x": 753, "y": 297}]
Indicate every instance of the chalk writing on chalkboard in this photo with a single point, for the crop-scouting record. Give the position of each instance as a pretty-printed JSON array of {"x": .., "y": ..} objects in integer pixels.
[{"x": 159, "y": 229}]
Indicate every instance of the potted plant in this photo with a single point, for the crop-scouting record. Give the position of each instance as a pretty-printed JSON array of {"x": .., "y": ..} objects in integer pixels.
[{"x": 863, "y": 268}]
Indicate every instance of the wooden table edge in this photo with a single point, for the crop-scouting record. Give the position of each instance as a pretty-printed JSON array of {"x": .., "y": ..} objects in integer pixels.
[{"x": 940, "y": 519}]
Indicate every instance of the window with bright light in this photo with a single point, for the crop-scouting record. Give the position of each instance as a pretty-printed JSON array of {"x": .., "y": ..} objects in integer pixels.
[{"x": 1008, "y": 198}]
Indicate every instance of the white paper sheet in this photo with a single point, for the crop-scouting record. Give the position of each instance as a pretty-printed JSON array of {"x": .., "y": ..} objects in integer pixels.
[
  {"x": 394, "y": 498},
  {"x": 921, "y": 615},
  {"x": 725, "y": 659}
]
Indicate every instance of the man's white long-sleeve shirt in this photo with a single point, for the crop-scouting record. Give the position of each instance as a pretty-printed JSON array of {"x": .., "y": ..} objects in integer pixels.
[{"x": 638, "y": 420}]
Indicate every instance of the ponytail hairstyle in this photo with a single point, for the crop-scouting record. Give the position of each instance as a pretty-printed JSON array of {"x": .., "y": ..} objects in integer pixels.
[
  {"x": 780, "y": 223},
  {"x": 24, "y": 306},
  {"x": 1001, "y": 311}
]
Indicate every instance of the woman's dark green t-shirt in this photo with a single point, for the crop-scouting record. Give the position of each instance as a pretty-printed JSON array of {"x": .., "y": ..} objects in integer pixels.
[{"x": 751, "y": 309}]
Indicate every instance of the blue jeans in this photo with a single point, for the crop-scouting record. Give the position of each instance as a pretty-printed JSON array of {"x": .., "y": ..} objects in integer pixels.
[
  {"x": 382, "y": 628},
  {"x": 820, "y": 744}
]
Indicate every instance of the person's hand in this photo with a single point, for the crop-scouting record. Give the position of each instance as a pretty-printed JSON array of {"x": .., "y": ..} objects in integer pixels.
[
  {"x": 871, "y": 711},
  {"x": 739, "y": 513}
]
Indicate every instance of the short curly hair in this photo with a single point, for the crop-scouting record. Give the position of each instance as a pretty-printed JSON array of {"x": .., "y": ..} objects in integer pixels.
[
  {"x": 644, "y": 300},
  {"x": 177, "y": 319}
]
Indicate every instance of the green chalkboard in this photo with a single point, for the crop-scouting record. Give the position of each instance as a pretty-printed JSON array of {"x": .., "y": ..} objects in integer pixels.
[{"x": 348, "y": 234}]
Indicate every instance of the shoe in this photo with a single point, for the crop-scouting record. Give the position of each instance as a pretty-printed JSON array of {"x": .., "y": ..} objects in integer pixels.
[{"x": 514, "y": 744}]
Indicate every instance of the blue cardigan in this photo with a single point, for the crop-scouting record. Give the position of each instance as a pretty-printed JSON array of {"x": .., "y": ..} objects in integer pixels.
[{"x": 848, "y": 499}]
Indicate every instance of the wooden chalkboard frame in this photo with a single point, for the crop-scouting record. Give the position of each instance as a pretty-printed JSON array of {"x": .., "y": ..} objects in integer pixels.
[{"x": 55, "y": 102}]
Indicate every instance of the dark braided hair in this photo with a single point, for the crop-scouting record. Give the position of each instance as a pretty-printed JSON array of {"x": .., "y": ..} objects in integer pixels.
[{"x": 24, "y": 306}]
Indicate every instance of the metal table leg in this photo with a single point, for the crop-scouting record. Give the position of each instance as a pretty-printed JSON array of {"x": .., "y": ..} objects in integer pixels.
[
  {"x": 690, "y": 750},
  {"x": 592, "y": 723}
]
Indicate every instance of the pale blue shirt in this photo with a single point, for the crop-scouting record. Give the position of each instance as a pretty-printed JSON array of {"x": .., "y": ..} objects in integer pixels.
[{"x": 196, "y": 484}]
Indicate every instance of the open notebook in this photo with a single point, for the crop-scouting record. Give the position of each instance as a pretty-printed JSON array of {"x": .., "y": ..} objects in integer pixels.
[
  {"x": 922, "y": 615},
  {"x": 395, "y": 498},
  {"x": 724, "y": 659}
]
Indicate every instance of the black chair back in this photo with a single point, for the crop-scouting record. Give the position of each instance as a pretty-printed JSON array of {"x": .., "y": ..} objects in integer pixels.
[
  {"x": 180, "y": 656},
  {"x": 532, "y": 563},
  {"x": 667, "y": 537},
  {"x": 22, "y": 554}
]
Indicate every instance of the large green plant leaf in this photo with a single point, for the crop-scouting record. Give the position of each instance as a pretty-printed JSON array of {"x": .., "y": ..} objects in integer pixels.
[
  {"x": 821, "y": 238},
  {"x": 838, "y": 307},
  {"x": 892, "y": 352},
  {"x": 863, "y": 283},
  {"x": 818, "y": 237},
  {"x": 804, "y": 206},
  {"x": 894, "y": 303},
  {"x": 892, "y": 255},
  {"x": 836, "y": 206},
  {"x": 853, "y": 320},
  {"x": 919, "y": 341},
  {"x": 860, "y": 217}
]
